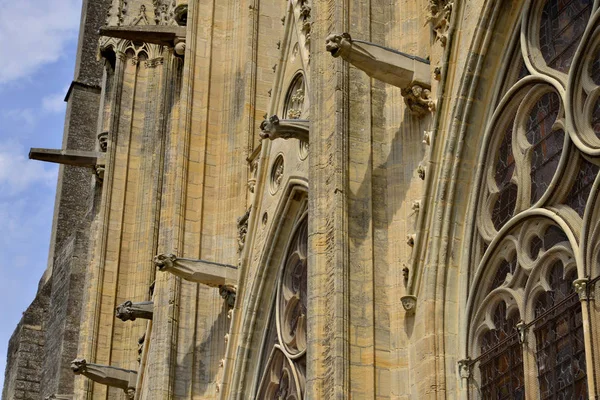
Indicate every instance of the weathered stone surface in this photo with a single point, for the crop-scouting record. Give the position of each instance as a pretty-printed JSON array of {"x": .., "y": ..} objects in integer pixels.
[{"x": 130, "y": 311}]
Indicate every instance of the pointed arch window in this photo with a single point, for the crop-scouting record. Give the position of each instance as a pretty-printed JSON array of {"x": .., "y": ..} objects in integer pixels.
[
  {"x": 537, "y": 211},
  {"x": 284, "y": 352}
]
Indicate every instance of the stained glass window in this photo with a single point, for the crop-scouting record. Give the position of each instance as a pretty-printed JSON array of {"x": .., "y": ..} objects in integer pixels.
[
  {"x": 545, "y": 158},
  {"x": 501, "y": 362},
  {"x": 558, "y": 330}
]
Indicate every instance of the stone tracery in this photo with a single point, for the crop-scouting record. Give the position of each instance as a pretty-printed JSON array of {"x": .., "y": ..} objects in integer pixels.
[
  {"x": 534, "y": 198},
  {"x": 284, "y": 372}
]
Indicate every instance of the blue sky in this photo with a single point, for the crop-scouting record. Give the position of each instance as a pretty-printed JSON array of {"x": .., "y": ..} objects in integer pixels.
[{"x": 38, "y": 40}]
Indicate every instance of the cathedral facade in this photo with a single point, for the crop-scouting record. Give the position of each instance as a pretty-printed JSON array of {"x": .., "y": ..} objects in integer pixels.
[{"x": 323, "y": 199}]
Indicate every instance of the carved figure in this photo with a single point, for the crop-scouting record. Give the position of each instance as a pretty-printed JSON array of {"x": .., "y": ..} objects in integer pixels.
[
  {"x": 242, "y": 224},
  {"x": 409, "y": 303},
  {"x": 103, "y": 141},
  {"x": 228, "y": 293},
  {"x": 418, "y": 99},
  {"x": 274, "y": 128},
  {"x": 421, "y": 172},
  {"x": 180, "y": 14},
  {"x": 439, "y": 18},
  {"x": 129, "y": 311},
  {"x": 110, "y": 376}
]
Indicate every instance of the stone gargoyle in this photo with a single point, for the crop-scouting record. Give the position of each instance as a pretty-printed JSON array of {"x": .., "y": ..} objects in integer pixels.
[
  {"x": 209, "y": 273},
  {"x": 274, "y": 128},
  {"x": 130, "y": 311},
  {"x": 105, "y": 375},
  {"x": 407, "y": 72}
]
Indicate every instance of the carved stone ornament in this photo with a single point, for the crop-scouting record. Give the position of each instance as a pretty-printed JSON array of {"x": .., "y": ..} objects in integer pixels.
[
  {"x": 179, "y": 48},
  {"x": 228, "y": 293},
  {"x": 242, "y": 225},
  {"x": 103, "y": 141},
  {"x": 522, "y": 329},
  {"x": 199, "y": 271},
  {"x": 464, "y": 368},
  {"x": 418, "y": 99},
  {"x": 141, "y": 341},
  {"x": 410, "y": 239},
  {"x": 129, "y": 311},
  {"x": 439, "y": 18},
  {"x": 427, "y": 138},
  {"x": 416, "y": 206},
  {"x": 382, "y": 63},
  {"x": 105, "y": 375},
  {"x": 421, "y": 172},
  {"x": 274, "y": 128},
  {"x": 99, "y": 172},
  {"x": 180, "y": 14},
  {"x": 581, "y": 287},
  {"x": 409, "y": 303}
]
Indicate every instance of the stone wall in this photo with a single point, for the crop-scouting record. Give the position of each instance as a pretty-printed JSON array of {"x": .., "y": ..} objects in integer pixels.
[{"x": 23, "y": 375}]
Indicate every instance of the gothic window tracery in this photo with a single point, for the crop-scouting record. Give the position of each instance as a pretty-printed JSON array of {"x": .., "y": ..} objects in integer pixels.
[
  {"x": 538, "y": 188},
  {"x": 283, "y": 372}
]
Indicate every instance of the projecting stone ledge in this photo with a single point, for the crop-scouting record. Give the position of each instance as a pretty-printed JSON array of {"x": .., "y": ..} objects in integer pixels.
[
  {"x": 110, "y": 376},
  {"x": 59, "y": 397},
  {"x": 209, "y": 273},
  {"x": 129, "y": 311},
  {"x": 410, "y": 73},
  {"x": 79, "y": 158},
  {"x": 275, "y": 128}
]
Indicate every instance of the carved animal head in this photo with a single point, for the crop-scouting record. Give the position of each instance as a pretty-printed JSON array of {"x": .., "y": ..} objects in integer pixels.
[
  {"x": 228, "y": 293},
  {"x": 180, "y": 14},
  {"x": 103, "y": 141},
  {"x": 268, "y": 128},
  {"x": 130, "y": 393},
  {"x": 336, "y": 44},
  {"x": 78, "y": 366},
  {"x": 124, "y": 311},
  {"x": 164, "y": 261}
]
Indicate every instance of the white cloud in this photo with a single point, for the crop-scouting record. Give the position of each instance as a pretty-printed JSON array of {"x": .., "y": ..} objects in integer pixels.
[
  {"x": 33, "y": 33},
  {"x": 54, "y": 103},
  {"x": 25, "y": 117},
  {"x": 17, "y": 173}
]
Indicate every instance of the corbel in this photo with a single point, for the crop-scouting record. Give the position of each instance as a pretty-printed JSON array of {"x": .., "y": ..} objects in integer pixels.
[
  {"x": 464, "y": 368},
  {"x": 106, "y": 375},
  {"x": 583, "y": 288},
  {"x": 409, "y": 303},
  {"x": 274, "y": 128},
  {"x": 130, "y": 311},
  {"x": 409, "y": 73}
]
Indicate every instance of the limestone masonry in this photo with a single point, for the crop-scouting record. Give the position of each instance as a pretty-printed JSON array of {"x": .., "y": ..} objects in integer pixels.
[{"x": 323, "y": 199}]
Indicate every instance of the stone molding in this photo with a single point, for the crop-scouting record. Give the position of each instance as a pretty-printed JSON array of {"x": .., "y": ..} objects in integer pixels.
[
  {"x": 129, "y": 311},
  {"x": 106, "y": 375}
]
